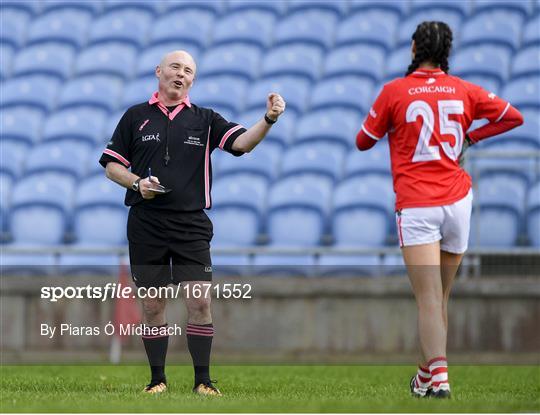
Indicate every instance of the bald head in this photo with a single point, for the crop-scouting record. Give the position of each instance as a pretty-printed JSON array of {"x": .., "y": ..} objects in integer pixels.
[{"x": 179, "y": 56}]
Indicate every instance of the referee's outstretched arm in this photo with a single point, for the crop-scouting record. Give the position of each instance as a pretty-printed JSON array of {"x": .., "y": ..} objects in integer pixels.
[{"x": 275, "y": 105}]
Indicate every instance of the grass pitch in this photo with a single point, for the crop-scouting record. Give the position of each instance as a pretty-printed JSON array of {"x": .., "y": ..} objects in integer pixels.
[{"x": 265, "y": 389}]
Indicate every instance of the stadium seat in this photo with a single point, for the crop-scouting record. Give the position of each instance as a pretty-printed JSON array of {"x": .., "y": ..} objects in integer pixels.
[
  {"x": 6, "y": 186},
  {"x": 66, "y": 156},
  {"x": 51, "y": 58},
  {"x": 284, "y": 265},
  {"x": 217, "y": 91},
  {"x": 348, "y": 92},
  {"x": 357, "y": 60},
  {"x": 230, "y": 265},
  {"x": 521, "y": 6},
  {"x": 239, "y": 60},
  {"x": 523, "y": 93},
  {"x": 531, "y": 31},
  {"x": 376, "y": 160},
  {"x": 338, "y": 7},
  {"x": 398, "y": 7},
  {"x": 295, "y": 91},
  {"x": 151, "y": 57},
  {"x": 533, "y": 215},
  {"x": 80, "y": 123},
  {"x": 302, "y": 61},
  {"x": 277, "y": 8},
  {"x": 498, "y": 27},
  {"x": 334, "y": 125},
  {"x": 462, "y": 7},
  {"x": 16, "y": 265},
  {"x": 526, "y": 62},
  {"x": 339, "y": 265},
  {"x": 311, "y": 26},
  {"x": 13, "y": 26},
  {"x": 320, "y": 159},
  {"x": 92, "y": 163},
  {"x": 408, "y": 27},
  {"x": 253, "y": 27},
  {"x": 154, "y": 7},
  {"x": 21, "y": 124},
  {"x": 92, "y": 265},
  {"x": 93, "y": 7},
  {"x": 138, "y": 91},
  {"x": 7, "y": 53},
  {"x": 257, "y": 163},
  {"x": 12, "y": 157},
  {"x": 108, "y": 58},
  {"x": 100, "y": 91},
  {"x": 526, "y": 134},
  {"x": 100, "y": 215},
  {"x": 489, "y": 84},
  {"x": 397, "y": 62},
  {"x": 488, "y": 61},
  {"x": 69, "y": 26},
  {"x": 373, "y": 27},
  {"x": 297, "y": 211},
  {"x": 185, "y": 28},
  {"x": 117, "y": 26},
  {"x": 362, "y": 209},
  {"x": 29, "y": 7},
  {"x": 281, "y": 133},
  {"x": 215, "y": 6},
  {"x": 35, "y": 91},
  {"x": 110, "y": 126}
]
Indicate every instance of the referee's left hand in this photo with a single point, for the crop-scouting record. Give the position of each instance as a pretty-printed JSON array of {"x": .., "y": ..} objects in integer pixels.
[{"x": 275, "y": 105}]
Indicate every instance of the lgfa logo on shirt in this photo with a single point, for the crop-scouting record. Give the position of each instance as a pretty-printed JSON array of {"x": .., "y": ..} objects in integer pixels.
[{"x": 150, "y": 137}]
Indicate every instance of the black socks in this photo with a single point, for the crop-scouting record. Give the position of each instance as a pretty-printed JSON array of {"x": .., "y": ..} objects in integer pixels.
[{"x": 199, "y": 339}]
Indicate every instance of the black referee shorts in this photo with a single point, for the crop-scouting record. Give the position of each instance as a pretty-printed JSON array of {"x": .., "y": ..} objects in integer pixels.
[{"x": 167, "y": 247}]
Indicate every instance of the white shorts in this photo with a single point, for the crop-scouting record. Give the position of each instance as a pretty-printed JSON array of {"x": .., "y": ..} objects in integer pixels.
[{"x": 449, "y": 224}]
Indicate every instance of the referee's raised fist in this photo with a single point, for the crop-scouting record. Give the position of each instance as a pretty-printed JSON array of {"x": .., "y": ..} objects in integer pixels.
[{"x": 275, "y": 105}]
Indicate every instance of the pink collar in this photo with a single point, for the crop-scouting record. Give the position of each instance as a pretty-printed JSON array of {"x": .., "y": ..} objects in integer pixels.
[{"x": 154, "y": 100}]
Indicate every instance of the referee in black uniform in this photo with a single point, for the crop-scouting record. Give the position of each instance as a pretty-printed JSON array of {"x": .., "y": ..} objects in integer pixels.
[{"x": 173, "y": 139}]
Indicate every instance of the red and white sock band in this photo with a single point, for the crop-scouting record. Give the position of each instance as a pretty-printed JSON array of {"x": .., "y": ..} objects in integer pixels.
[
  {"x": 438, "y": 367},
  {"x": 423, "y": 377},
  {"x": 196, "y": 330}
]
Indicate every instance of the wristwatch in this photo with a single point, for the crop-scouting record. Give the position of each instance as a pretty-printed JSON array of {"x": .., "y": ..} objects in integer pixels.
[
  {"x": 269, "y": 120},
  {"x": 135, "y": 185}
]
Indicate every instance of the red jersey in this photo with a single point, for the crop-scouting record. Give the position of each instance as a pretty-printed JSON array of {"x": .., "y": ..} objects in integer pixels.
[{"x": 426, "y": 116}]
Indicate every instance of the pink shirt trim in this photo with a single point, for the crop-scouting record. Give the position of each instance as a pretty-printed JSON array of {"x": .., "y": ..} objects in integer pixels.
[
  {"x": 117, "y": 156},
  {"x": 154, "y": 99}
]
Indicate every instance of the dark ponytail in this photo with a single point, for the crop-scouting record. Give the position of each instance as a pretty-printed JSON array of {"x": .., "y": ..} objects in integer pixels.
[{"x": 433, "y": 41}]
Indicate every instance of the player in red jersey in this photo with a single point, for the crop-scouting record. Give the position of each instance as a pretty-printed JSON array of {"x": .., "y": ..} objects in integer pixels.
[{"x": 426, "y": 114}]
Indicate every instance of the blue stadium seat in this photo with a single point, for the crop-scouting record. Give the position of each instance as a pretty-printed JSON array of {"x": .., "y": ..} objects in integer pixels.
[
  {"x": 80, "y": 123},
  {"x": 398, "y": 7},
  {"x": 350, "y": 92},
  {"x": 117, "y": 26},
  {"x": 251, "y": 26},
  {"x": 230, "y": 264},
  {"x": 521, "y": 6},
  {"x": 92, "y": 163},
  {"x": 312, "y": 26},
  {"x": 217, "y": 91},
  {"x": 139, "y": 90},
  {"x": 186, "y": 28},
  {"x": 21, "y": 124},
  {"x": 154, "y": 7},
  {"x": 101, "y": 91},
  {"x": 280, "y": 134},
  {"x": 110, "y": 126},
  {"x": 109, "y": 58},
  {"x": 489, "y": 84},
  {"x": 357, "y": 60},
  {"x": 526, "y": 62},
  {"x": 12, "y": 157},
  {"x": 397, "y": 62},
  {"x": 30, "y": 7},
  {"x": 151, "y": 57},
  {"x": 258, "y": 163},
  {"x": 526, "y": 134},
  {"x": 362, "y": 210},
  {"x": 334, "y": 125},
  {"x": 374, "y": 161},
  {"x": 284, "y": 265},
  {"x": 7, "y": 53},
  {"x": 523, "y": 93},
  {"x": 13, "y": 26},
  {"x": 498, "y": 27},
  {"x": 50, "y": 58},
  {"x": 236, "y": 213},
  {"x": 295, "y": 91},
  {"x": 531, "y": 31},
  {"x": 488, "y": 61},
  {"x": 91, "y": 265},
  {"x": 339, "y": 265},
  {"x": 533, "y": 215},
  {"x": 64, "y": 25},
  {"x": 278, "y": 8},
  {"x": 320, "y": 159},
  {"x": 408, "y": 27},
  {"x": 93, "y": 7},
  {"x": 462, "y": 7},
  {"x": 215, "y": 6},
  {"x": 35, "y": 91},
  {"x": 6, "y": 186},
  {"x": 295, "y": 60},
  {"x": 373, "y": 27},
  {"x": 66, "y": 156},
  {"x": 297, "y": 210},
  {"x": 496, "y": 218},
  {"x": 239, "y": 60},
  {"x": 338, "y": 7},
  {"x": 43, "y": 265},
  {"x": 100, "y": 215}
]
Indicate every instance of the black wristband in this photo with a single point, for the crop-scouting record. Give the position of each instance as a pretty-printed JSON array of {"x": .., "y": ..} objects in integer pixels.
[{"x": 269, "y": 120}]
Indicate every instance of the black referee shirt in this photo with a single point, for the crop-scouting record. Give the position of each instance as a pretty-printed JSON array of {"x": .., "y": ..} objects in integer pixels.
[{"x": 191, "y": 134}]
